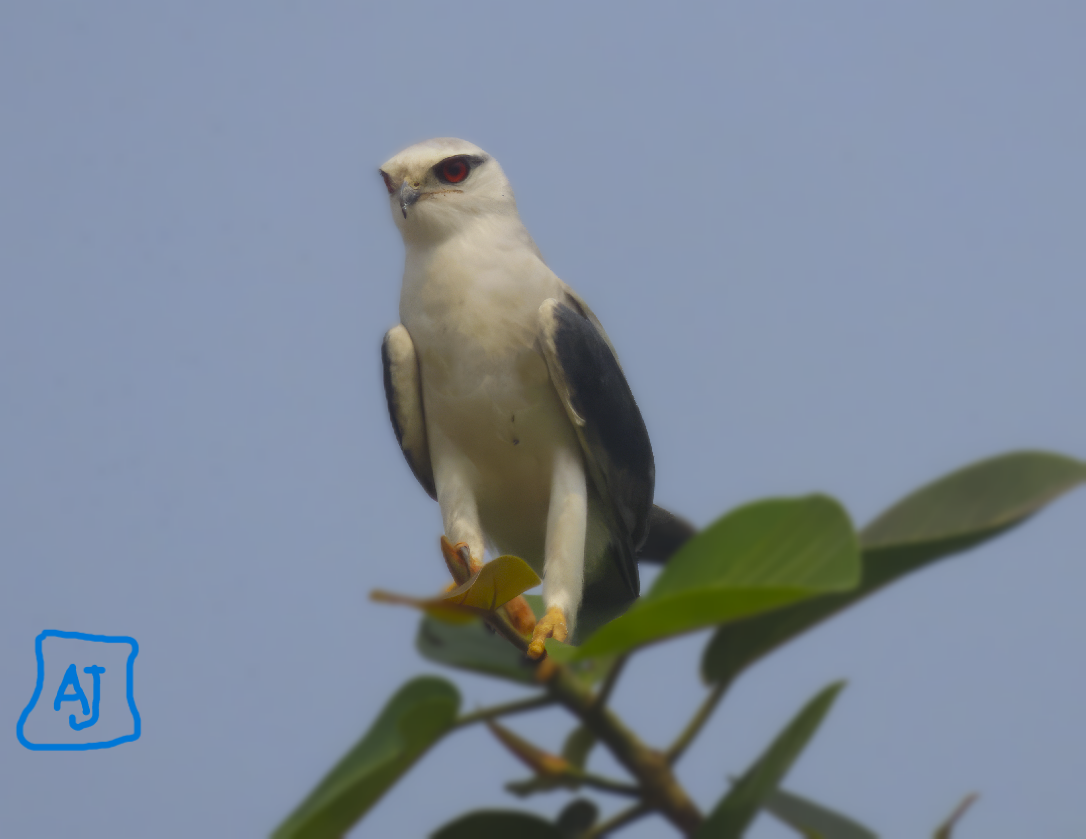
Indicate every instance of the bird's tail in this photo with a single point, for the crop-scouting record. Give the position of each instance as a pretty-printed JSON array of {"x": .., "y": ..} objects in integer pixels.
[{"x": 667, "y": 533}]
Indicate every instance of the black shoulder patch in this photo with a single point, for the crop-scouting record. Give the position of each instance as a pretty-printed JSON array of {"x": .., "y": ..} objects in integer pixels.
[
  {"x": 417, "y": 460},
  {"x": 614, "y": 432},
  {"x": 390, "y": 392}
]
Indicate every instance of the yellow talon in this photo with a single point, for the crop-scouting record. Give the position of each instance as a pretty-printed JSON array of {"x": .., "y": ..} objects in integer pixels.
[
  {"x": 551, "y": 625},
  {"x": 474, "y": 564},
  {"x": 459, "y": 560},
  {"x": 520, "y": 615}
]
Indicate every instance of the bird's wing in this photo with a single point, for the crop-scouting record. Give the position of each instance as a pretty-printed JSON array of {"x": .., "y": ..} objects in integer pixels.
[
  {"x": 618, "y": 457},
  {"x": 576, "y": 302},
  {"x": 403, "y": 389}
]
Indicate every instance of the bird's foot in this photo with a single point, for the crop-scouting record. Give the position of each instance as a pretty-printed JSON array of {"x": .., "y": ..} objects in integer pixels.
[
  {"x": 474, "y": 565},
  {"x": 551, "y": 625},
  {"x": 459, "y": 560},
  {"x": 521, "y": 615}
]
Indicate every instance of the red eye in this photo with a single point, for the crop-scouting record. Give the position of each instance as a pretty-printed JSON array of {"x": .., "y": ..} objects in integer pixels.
[
  {"x": 453, "y": 170},
  {"x": 388, "y": 183}
]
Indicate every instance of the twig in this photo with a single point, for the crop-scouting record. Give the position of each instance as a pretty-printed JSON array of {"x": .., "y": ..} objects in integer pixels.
[
  {"x": 620, "y": 819},
  {"x": 571, "y": 778},
  {"x": 495, "y": 711},
  {"x": 610, "y": 679},
  {"x": 600, "y": 782},
  {"x": 693, "y": 728},
  {"x": 500, "y": 623},
  {"x": 659, "y": 787},
  {"x": 552, "y": 770},
  {"x": 945, "y": 829}
]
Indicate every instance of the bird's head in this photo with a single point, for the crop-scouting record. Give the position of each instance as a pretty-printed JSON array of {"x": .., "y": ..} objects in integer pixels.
[{"x": 441, "y": 185}]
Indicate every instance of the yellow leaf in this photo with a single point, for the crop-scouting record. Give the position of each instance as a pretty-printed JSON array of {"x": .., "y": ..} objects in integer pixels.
[{"x": 494, "y": 585}]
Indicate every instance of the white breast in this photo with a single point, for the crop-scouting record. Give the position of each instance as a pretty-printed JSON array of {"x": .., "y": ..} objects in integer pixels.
[{"x": 470, "y": 305}]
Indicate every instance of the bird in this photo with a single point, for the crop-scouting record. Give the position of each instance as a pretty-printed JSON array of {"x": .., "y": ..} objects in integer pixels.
[{"x": 507, "y": 398}]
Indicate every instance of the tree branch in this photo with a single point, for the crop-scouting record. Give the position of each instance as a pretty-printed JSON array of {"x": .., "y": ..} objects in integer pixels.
[
  {"x": 659, "y": 787},
  {"x": 693, "y": 728},
  {"x": 620, "y": 819},
  {"x": 600, "y": 782},
  {"x": 609, "y": 681},
  {"x": 495, "y": 711}
]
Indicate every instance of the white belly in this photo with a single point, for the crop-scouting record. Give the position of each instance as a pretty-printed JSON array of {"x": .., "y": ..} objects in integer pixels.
[{"x": 492, "y": 415}]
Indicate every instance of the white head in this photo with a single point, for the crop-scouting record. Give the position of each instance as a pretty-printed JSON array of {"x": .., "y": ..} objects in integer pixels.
[{"x": 440, "y": 186}]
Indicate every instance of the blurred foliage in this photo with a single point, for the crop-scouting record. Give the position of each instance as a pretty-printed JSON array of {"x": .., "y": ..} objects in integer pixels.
[{"x": 762, "y": 574}]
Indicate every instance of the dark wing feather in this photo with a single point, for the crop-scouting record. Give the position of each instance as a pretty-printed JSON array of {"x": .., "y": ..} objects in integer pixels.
[
  {"x": 598, "y": 400},
  {"x": 667, "y": 533},
  {"x": 403, "y": 390}
]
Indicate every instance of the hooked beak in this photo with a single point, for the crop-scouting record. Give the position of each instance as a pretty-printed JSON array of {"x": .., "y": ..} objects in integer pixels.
[{"x": 408, "y": 196}]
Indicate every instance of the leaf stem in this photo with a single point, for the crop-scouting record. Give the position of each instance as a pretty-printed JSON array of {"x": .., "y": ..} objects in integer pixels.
[
  {"x": 500, "y": 623},
  {"x": 610, "y": 679},
  {"x": 944, "y": 830},
  {"x": 572, "y": 778},
  {"x": 600, "y": 782},
  {"x": 620, "y": 819},
  {"x": 495, "y": 711},
  {"x": 697, "y": 722}
]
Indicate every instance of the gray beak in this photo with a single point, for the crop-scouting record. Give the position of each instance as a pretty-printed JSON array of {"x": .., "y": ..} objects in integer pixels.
[{"x": 408, "y": 196}]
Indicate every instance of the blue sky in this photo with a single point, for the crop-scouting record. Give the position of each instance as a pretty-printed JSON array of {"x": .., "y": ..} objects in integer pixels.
[{"x": 839, "y": 247}]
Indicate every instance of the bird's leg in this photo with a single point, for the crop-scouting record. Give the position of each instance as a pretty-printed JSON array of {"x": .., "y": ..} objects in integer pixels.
[
  {"x": 460, "y": 516},
  {"x": 551, "y": 625},
  {"x": 464, "y": 552},
  {"x": 458, "y": 560},
  {"x": 521, "y": 615},
  {"x": 563, "y": 565}
]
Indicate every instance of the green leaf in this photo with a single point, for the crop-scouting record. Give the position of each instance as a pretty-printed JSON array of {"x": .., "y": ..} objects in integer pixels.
[
  {"x": 578, "y": 745},
  {"x": 498, "y": 824},
  {"x": 576, "y": 817},
  {"x": 759, "y": 557},
  {"x": 536, "y": 784},
  {"x": 971, "y": 502},
  {"x": 950, "y": 515},
  {"x": 813, "y": 820},
  {"x": 737, "y": 809},
  {"x": 588, "y": 669},
  {"x": 473, "y": 647},
  {"x": 420, "y": 713}
]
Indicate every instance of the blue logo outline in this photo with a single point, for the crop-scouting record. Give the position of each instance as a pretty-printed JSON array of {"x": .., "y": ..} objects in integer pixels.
[{"x": 80, "y": 747}]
